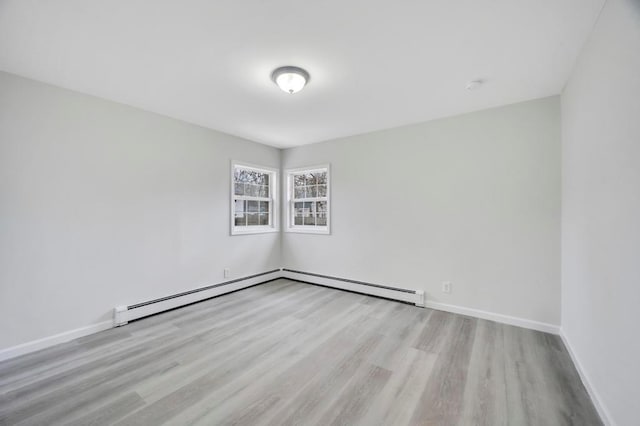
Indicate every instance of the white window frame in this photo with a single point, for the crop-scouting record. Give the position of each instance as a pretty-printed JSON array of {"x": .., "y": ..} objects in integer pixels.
[
  {"x": 307, "y": 229},
  {"x": 274, "y": 221}
]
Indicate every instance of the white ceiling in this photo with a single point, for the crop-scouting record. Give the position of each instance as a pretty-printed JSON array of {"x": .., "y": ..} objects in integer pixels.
[{"x": 374, "y": 64}]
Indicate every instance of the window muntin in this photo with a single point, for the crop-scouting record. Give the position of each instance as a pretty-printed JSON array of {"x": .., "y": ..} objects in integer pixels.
[
  {"x": 253, "y": 203},
  {"x": 308, "y": 200}
]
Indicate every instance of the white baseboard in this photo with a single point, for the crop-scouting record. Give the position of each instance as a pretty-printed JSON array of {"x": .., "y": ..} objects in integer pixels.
[
  {"x": 46, "y": 342},
  {"x": 418, "y": 299},
  {"x": 410, "y": 296},
  {"x": 492, "y": 316},
  {"x": 605, "y": 416}
]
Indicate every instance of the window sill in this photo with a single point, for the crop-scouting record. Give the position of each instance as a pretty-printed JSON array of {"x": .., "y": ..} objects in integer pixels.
[
  {"x": 321, "y": 231},
  {"x": 254, "y": 231}
]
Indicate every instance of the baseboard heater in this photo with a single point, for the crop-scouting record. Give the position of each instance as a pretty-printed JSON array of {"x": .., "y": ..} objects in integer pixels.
[
  {"x": 123, "y": 314},
  {"x": 415, "y": 297}
]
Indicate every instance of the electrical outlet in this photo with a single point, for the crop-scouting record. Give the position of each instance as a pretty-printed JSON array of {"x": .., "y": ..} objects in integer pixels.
[
  {"x": 446, "y": 287},
  {"x": 227, "y": 272}
]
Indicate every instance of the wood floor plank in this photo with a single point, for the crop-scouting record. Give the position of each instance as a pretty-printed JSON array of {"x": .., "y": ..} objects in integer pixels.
[
  {"x": 442, "y": 400},
  {"x": 288, "y": 353},
  {"x": 110, "y": 411},
  {"x": 398, "y": 399},
  {"x": 354, "y": 401},
  {"x": 485, "y": 395}
]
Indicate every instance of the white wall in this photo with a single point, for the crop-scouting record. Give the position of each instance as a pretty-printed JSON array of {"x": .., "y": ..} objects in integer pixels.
[
  {"x": 473, "y": 199},
  {"x": 103, "y": 205},
  {"x": 601, "y": 210}
]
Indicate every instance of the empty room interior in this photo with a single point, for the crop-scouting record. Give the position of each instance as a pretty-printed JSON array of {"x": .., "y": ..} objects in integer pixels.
[{"x": 320, "y": 213}]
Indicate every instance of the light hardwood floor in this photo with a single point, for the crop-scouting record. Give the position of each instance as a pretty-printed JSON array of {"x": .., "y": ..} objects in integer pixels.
[{"x": 287, "y": 353}]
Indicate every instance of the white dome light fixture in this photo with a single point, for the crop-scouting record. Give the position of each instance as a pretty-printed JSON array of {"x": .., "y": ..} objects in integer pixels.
[{"x": 290, "y": 79}]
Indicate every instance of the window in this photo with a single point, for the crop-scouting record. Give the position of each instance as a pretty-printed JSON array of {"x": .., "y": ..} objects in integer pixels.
[
  {"x": 253, "y": 199},
  {"x": 308, "y": 200}
]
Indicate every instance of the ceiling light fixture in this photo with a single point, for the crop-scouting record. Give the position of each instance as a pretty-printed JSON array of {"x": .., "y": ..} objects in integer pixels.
[{"x": 290, "y": 79}]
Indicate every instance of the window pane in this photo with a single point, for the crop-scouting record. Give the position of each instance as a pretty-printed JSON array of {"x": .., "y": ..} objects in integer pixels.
[
  {"x": 310, "y": 179},
  {"x": 252, "y": 190},
  {"x": 252, "y": 206},
  {"x": 303, "y": 214},
  {"x": 264, "y": 206},
  {"x": 262, "y": 179},
  {"x": 321, "y": 213},
  {"x": 240, "y": 207},
  {"x": 322, "y": 190},
  {"x": 239, "y": 188},
  {"x": 321, "y": 178},
  {"x": 321, "y": 208},
  {"x": 298, "y": 192},
  {"x": 263, "y": 191},
  {"x": 312, "y": 191},
  {"x": 240, "y": 175},
  {"x": 240, "y": 220},
  {"x": 298, "y": 180},
  {"x": 253, "y": 219},
  {"x": 264, "y": 218},
  {"x": 308, "y": 214}
]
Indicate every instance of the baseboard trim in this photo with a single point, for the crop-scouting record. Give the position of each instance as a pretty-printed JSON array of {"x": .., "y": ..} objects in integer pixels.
[
  {"x": 415, "y": 297},
  {"x": 605, "y": 416},
  {"x": 492, "y": 316},
  {"x": 46, "y": 342}
]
